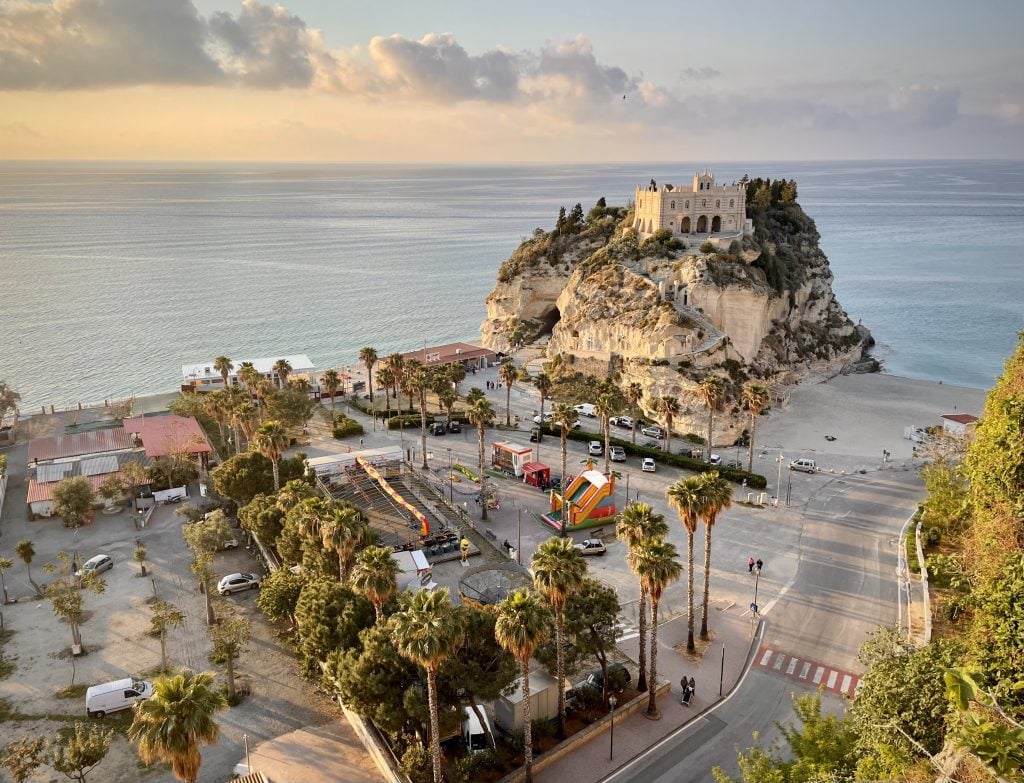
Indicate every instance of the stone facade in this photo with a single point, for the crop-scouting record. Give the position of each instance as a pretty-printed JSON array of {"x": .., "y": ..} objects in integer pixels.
[{"x": 707, "y": 211}]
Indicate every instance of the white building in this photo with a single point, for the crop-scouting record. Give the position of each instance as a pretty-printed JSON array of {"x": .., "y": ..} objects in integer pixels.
[
  {"x": 202, "y": 377},
  {"x": 958, "y": 423},
  {"x": 704, "y": 211}
]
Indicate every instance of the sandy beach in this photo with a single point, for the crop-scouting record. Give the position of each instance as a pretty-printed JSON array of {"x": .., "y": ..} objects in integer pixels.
[{"x": 865, "y": 414}]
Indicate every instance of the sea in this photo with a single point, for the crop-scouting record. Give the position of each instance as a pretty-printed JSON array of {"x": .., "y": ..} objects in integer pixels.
[{"x": 113, "y": 275}]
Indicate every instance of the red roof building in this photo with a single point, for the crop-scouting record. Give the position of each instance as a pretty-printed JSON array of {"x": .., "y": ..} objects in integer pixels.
[
  {"x": 467, "y": 354},
  {"x": 67, "y": 446},
  {"x": 958, "y": 423},
  {"x": 162, "y": 436}
]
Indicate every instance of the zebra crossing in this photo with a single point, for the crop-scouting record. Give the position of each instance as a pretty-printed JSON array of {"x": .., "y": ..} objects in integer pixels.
[{"x": 808, "y": 672}]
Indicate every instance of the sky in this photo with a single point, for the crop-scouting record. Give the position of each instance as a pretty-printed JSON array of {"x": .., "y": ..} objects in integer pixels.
[{"x": 526, "y": 81}]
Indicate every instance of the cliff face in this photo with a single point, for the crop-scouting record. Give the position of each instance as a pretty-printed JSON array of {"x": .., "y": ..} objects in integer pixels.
[{"x": 665, "y": 316}]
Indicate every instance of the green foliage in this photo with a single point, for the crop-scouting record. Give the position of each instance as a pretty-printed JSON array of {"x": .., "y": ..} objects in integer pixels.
[
  {"x": 706, "y": 247},
  {"x": 23, "y": 757},
  {"x": 983, "y": 728},
  {"x": 821, "y": 749},
  {"x": 591, "y": 616},
  {"x": 417, "y": 765},
  {"x": 208, "y": 535},
  {"x": 329, "y": 617},
  {"x": 292, "y": 407},
  {"x": 263, "y": 517},
  {"x": 946, "y": 506},
  {"x": 903, "y": 694},
  {"x": 344, "y": 427},
  {"x": 661, "y": 242},
  {"x": 480, "y": 670},
  {"x": 246, "y": 475},
  {"x": 279, "y": 594},
  {"x": 474, "y": 766},
  {"x": 78, "y": 751},
  {"x": 998, "y": 629},
  {"x": 73, "y": 498}
]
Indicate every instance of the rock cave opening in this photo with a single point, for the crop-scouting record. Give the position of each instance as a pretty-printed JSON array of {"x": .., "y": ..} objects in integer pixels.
[{"x": 548, "y": 319}]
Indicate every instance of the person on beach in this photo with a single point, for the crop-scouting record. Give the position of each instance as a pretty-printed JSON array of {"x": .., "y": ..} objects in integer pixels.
[
  {"x": 750, "y": 565},
  {"x": 760, "y": 565}
]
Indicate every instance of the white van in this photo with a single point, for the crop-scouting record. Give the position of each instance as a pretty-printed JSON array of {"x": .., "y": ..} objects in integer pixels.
[
  {"x": 473, "y": 734},
  {"x": 586, "y": 409},
  {"x": 806, "y": 465},
  {"x": 116, "y": 695}
]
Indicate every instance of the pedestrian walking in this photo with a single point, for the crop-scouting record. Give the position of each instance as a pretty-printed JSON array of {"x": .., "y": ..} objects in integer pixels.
[
  {"x": 360, "y": 443},
  {"x": 760, "y": 565},
  {"x": 750, "y": 565}
]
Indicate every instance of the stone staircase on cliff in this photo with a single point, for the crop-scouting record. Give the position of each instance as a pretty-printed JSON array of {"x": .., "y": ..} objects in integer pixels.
[{"x": 712, "y": 335}]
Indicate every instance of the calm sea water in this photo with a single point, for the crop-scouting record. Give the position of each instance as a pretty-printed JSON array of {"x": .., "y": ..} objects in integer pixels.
[{"x": 113, "y": 275}]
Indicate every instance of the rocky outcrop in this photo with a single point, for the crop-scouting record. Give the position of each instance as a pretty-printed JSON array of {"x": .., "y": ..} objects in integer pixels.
[{"x": 665, "y": 315}]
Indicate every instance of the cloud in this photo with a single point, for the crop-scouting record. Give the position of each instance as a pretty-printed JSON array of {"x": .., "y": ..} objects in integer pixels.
[
  {"x": 700, "y": 74},
  {"x": 69, "y": 44},
  {"x": 925, "y": 106}
]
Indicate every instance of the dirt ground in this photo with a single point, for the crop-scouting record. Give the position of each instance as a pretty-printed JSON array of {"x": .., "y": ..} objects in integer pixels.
[{"x": 117, "y": 643}]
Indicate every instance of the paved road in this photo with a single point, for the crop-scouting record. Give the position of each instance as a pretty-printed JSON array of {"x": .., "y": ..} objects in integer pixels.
[{"x": 843, "y": 588}]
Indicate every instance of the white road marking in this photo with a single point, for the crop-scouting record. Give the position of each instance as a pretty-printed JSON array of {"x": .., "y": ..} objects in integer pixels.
[
  {"x": 804, "y": 670},
  {"x": 792, "y": 666},
  {"x": 766, "y": 657},
  {"x": 817, "y": 675},
  {"x": 832, "y": 677},
  {"x": 779, "y": 660},
  {"x": 847, "y": 679}
]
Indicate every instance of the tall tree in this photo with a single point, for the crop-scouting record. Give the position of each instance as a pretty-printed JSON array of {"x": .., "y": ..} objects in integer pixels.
[
  {"x": 755, "y": 400},
  {"x": 609, "y": 403},
  {"x": 480, "y": 414},
  {"x": 5, "y": 563},
  {"x": 457, "y": 374},
  {"x": 282, "y": 369},
  {"x": 686, "y": 497},
  {"x": 427, "y": 630},
  {"x": 229, "y": 638},
  {"x": 523, "y": 624},
  {"x": 165, "y": 616},
  {"x": 26, "y": 550},
  {"x": 543, "y": 384},
  {"x": 368, "y": 356},
  {"x": 564, "y": 417},
  {"x": 657, "y": 565},
  {"x": 717, "y": 494},
  {"x": 224, "y": 366},
  {"x": 669, "y": 407},
  {"x": 271, "y": 440},
  {"x": 711, "y": 392},
  {"x": 633, "y": 394},
  {"x": 344, "y": 531},
  {"x": 558, "y": 573},
  {"x": 640, "y": 524},
  {"x": 332, "y": 382},
  {"x": 216, "y": 406},
  {"x": 73, "y": 498},
  {"x": 447, "y": 399},
  {"x": 418, "y": 383},
  {"x": 172, "y": 723},
  {"x": 395, "y": 363},
  {"x": 508, "y": 373},
  {"x": 66, "y": 592},
  {"x": 375, "y": 576}
]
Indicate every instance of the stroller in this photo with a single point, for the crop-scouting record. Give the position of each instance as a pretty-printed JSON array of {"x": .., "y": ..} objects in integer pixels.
[{"x": 689, "y": 686}]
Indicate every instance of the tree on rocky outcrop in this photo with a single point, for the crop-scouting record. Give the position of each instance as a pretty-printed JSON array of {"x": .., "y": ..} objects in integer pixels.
[
  {"x": 73, "y": 498},
  {"x": 755, "y": 400},
  {"x": 561, "y": 222}
]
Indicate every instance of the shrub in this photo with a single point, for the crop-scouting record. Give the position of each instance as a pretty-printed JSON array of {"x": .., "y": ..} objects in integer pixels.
[
  {"x": 474, "y": 766},
  {"x": 706, "y": 247},
  {"x": 932, "y": 536},
  {"x": 417, "y": 765},
  {"x": 345, "y": 427},
  {"x": 585, "y": 697}
]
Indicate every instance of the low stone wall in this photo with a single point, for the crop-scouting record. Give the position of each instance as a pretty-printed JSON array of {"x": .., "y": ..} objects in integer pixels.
[
  {"x": 586, "y": 735},
  {"x": 376, "y": 746}
]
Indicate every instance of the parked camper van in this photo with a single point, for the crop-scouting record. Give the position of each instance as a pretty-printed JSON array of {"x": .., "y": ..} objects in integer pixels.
[
  {"x": 473, "y": 734},
  {"x": 114, "y": 696}
]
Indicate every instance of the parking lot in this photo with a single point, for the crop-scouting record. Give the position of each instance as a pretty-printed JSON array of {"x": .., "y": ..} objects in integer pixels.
[{"x": 117, "y": 645}]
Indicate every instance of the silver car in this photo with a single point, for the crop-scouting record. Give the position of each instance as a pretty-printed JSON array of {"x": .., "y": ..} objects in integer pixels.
[{"x": 233, "y": 583}]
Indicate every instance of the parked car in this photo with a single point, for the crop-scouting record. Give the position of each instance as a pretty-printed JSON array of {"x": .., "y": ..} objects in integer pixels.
[
  {"x": 734, "y": 463},
  {"x": 535, "y": 435},
  {"x": 626, "y": 422},
  {"x": 686, "y": 451},
  {"x": 233, "y": 583},
  {"x": 455, "y": 426},
  {"x": 618, "y": 678},
  {"x": 648, "y": 465},
  {"x": 651, "y": 444},
  {"x": 97, "y": 565},
  {"x": 653, "y": 431},
  {"x": 114, "y": 696},
  {"x": 595, "y": 449},
  {"x": 230, "y": 543},
  {"x": 538, "y": 420},
  {"x": 617, "y": 453},
  {"x": 804, "y": 464},
  {"x": 591, "y": 546},
  {"x": 586, "y": 409},
  {"x": 438, "y": 428},
  {"x": 716, "y": 459}
]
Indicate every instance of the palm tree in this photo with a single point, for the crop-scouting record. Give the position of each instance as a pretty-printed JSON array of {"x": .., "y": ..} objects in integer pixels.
[
  {"x": 558, "y": 574},
  {"x": 523, "y": 625},
  {"x": 457, "y": 374},
  {"x": 172, "y": 723},
  {"x": 216, "y": 405},
  {"x": 657, "y": 565},
  {"x": 331, "y": 381},
  {"x": 375, "y": 576},
  {"x": 344, "y": 531},
  {"x": 634, "y": 393},
  {"x": 608, "y": 404},
  {"x": 418, "y": 383},
  {"x": 368, "y": 356},
  {"x": 640, "y": 524},
  {"x": 564, "y": 416},
  {"x": 711, "y": 391},
  {"x": 508, "y": 374},
  {"x": 755, "y": 400},
  {"x": 235, "y": 398},
  {"x": 687, "y": 499},
  {"x": 385, "y": 380},
  {"x": 247, "y": 416},
  {"x": 427, "y": 631},
  {"x": 669, "y": 408},
  {"x": 26, "y": 550},
  {"x": 282, "y": 369},
  {"x": 253, "y": 381},
  {"x": 271, "y": 440},
  {"x": 717, "y": 497},
  {"x": 412, "y": 366},
  {"x": 480, "y": 414},
  {"x": 543, "y": 384},
  {"x": 396, "y": 362},
  {"x": 447, "y": 399},
  {"x": 224, "y": 366}
]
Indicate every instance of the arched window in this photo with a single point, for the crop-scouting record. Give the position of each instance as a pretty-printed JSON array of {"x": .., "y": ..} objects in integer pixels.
[
  {"x": 732, "y": 203},
  {"x": 673, "y": 205},
  {"x": 718, "y": 203}
]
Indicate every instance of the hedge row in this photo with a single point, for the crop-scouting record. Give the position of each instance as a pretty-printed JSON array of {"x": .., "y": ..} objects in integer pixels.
[
  {"x": 344, "y": 427},
  {"x": 754, "y": 480}
]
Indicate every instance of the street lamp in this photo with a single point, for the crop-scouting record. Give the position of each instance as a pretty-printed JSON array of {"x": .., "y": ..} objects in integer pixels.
[
  {"x": 611, "y": 734},
  {"x": 451, "y": 489},
  {"x": 778, "y": 479}
]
